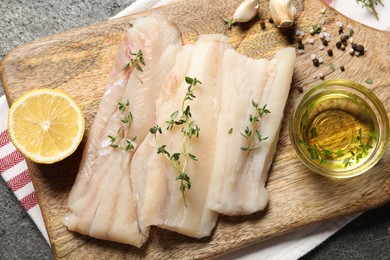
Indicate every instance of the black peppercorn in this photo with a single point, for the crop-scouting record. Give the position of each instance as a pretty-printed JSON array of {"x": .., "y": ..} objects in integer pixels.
[
  {"x": 324, "y": 42},
  {"x": 301, "y": 46},
  {"x": 360, "y": 49},
  {"x": 341, "y": 31},
  {"x": 316, "y": 62},
  {"x": 330, "y": 52},
  {"x": 262, "y": 25},
  {"x": 271, "y": 20},
  {"x": 300, "y": 89},
  {"x": 354, "y": 45},
  {"x": 338, "y": 45},
  {"x": 344, "y": 38},
  {"x": 300, "y": 40},
  {"x": 342, "y": 68}
]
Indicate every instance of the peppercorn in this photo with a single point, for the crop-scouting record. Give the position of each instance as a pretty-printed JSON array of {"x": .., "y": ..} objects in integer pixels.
[
  {"x": 360, "y": 49},
  {"x": 301, "y": 46},
  {"x": 342, "y": 68},
  {"x": 341, "y": 31},
  {"x": 330, "y": 52},
  {"x": 344, "y": 38},
  {"x": 299, "y": 40},
  {"x": 316, "y": 62},
  {"x": 262, "y": 25},
  {"x": 300, "y": 89},
  {"x": 271, "y": 20},
  {"x": 324, "y": 42},
  {"x": 338, "y": 45},
  {"x": 354, "y": 45}
]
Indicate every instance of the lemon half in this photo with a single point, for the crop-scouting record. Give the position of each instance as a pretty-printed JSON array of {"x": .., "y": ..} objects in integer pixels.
[{"x": 45, "y": 125}]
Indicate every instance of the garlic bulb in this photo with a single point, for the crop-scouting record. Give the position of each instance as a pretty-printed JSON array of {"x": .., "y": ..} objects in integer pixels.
[
  {"x": 282, "y": 12},
  {"x": 246, "y": 11}
]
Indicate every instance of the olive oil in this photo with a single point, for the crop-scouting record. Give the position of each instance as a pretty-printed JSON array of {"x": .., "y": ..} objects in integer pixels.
[{"x": 338, "y": 130}]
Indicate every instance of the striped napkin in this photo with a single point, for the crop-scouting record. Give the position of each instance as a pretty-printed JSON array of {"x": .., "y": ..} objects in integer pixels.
[{"x": 13, "y": 168}]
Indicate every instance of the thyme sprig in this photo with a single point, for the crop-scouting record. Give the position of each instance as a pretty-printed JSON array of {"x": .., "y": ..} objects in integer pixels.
[
  {"x": 318, "y": 152},
  {"x": 251, "y": 134},
  {"x": 370, "y": 5},
  {"x": 136, "y": 59},
  {"x": 360, "y": 149},
  {"x": 119, "y": 141},
  {"x": 189, "y": 129}
]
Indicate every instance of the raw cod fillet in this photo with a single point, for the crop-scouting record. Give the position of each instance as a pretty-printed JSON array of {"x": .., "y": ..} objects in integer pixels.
[
  {"x": 101, "y": 203},
  {"x": 159, "y": 199},
  {"x": 237, "y": 185}
]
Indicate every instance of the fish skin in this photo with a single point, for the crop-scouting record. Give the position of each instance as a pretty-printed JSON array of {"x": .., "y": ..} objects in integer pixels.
[{"x": 101, "y": 203}]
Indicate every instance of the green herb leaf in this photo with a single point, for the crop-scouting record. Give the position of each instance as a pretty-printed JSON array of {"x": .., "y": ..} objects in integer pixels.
[
  {"x": 331, "y": 66},
  {"x": 351, "y": 31},
  {"x": 373, "y": 135},
  {"x": 316, "y": 28},
  {"x": 230, "y": 131},
  {"x": 175, "y": 156},
  {"x": 313, "y": 132},
  {"x": 126, "y": 66},
  {"x": 370, "y": 5},
  {"x": 229, "y": 22},
  {"x": 138, "y": 67},
  {"x": 193, "y": 157},
  {"x": 369, "y": 81}
]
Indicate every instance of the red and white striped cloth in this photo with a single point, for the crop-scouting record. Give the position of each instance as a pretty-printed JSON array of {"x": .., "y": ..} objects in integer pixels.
[{"x": 13, "y": 170}]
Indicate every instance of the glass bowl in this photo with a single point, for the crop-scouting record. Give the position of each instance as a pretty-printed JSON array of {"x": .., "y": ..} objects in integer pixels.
[{"x": 339, "y": 129}]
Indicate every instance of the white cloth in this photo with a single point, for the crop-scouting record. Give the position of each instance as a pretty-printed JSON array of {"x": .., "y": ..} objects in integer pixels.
[{"x": 356, "y": 12}]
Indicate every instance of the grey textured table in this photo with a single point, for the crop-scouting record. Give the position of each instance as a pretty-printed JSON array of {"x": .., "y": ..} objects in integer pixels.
[{"x": 21, "y": 21}]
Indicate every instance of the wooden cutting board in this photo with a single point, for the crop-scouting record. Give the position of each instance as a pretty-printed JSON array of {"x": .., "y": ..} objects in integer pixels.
[{"x": 79, "y": 61}]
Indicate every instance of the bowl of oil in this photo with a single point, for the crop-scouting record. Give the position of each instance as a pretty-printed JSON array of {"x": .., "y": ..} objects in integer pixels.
[{"x": 339, "y": 129}]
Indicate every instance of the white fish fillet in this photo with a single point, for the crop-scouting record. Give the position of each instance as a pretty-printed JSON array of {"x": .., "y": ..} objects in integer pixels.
[
  {"x": 160, "y": 201},
  {"x": 101, "y": 203},
  {"x": 237, "y": 185}
]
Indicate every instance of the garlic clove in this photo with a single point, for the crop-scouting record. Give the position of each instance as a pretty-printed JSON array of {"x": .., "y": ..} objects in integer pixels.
[
  {"x": 286, "y": 23},
  {"x": 283, "y": 12},
  {"x": 246, "y": 11}
]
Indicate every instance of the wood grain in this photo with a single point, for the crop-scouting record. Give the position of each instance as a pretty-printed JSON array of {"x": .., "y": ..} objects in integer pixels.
[{"x": 79, "y": 62}]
